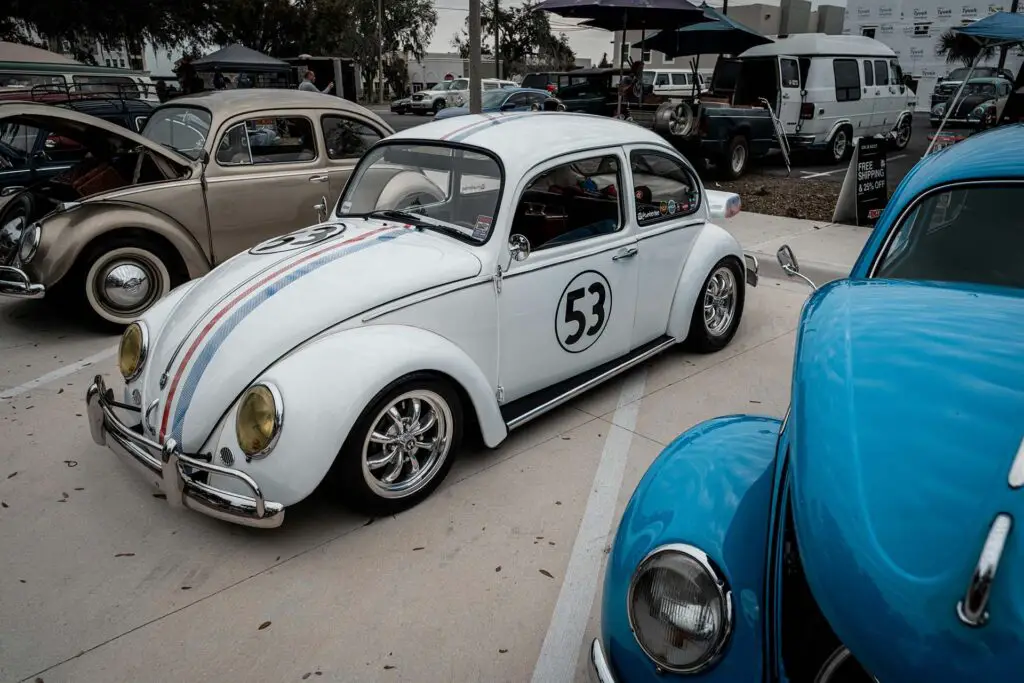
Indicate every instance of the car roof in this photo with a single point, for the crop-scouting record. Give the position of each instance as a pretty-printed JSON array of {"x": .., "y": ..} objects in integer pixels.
[
  {"x": 226, "y": 103},
  {"x": 821, "y": 44},
  {"x": 100, "y": 107},
  {"x": 980, "y": 156},
  {"x": 551, "y": 134}
]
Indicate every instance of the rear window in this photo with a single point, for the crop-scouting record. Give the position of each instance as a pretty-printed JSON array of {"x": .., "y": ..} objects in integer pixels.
[
  {"x": 847, "y": 76},
  {"x": 964, "y": 234}
]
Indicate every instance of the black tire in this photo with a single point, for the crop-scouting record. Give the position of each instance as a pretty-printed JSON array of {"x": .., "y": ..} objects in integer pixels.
[
  {"x": 700, "y": 338},
  {"x": 897, "y": 142},
  {"x": 438, "y": 106},
  {"x": 162, "y": 266},
  {"x": 842, "y": 138},
  {"x": 21, "y": 207},
  {"x": 348, "y": 476},
  {"x": 736, "y": 159}
]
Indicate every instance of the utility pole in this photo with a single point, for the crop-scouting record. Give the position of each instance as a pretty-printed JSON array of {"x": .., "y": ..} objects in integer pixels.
[
  {"x": 497, "y": 39},
  {"x": 380, "y": 51},
  {"x": 475, "y": 87},
  {"x": 725, "y": 7},
  {"x": 1004, "y": 48}
]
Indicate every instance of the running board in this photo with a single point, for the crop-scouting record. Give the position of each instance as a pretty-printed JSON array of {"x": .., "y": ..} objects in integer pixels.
[{"x": 522, "y": 410}]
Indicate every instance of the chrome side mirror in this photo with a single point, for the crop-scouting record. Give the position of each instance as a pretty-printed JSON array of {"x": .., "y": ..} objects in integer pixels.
[
  {"x": 790, "y": 266},
  {"x": 519, "y": 247}
]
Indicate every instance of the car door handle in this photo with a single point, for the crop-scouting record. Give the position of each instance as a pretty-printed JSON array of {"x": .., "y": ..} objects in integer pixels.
[
  {"x": 628, "y": 252},
  {"x": 785, "y": 95},
  {"x": 319, "y": 178}
]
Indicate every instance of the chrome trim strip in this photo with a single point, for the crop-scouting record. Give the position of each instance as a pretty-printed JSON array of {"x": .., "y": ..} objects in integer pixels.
[
  {"x": 589, "y": 384},
  {"x": 418, "y": 298},
  {"x": 1017, "y": 469},
  {"x": 724, "y": 594},
  {"x": 599, "y": 666},
  {"x": 972, "y": 609}
]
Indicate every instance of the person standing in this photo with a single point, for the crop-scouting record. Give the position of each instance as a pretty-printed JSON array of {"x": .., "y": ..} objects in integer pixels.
[{"x": 308, "y": 83}]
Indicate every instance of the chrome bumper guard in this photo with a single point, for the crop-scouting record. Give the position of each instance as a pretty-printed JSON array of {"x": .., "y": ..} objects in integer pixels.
[
  {"x": 600, "y": 669},
  {"x": 163, "y": 465},
  {"x": 14, "y": 282},
  {"x": 752, "y": 269}
]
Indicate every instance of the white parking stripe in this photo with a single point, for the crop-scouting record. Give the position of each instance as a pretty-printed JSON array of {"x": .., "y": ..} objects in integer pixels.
[
  {"x": 843, "y": 170},
  {"x": 561, "y": 648},
  {"x": 60, "y": 372}
]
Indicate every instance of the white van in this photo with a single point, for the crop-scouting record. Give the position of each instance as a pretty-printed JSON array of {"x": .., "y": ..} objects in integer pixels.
[
  {"x": 673, "y": 82},
  {"x": 826, "y": 90}
]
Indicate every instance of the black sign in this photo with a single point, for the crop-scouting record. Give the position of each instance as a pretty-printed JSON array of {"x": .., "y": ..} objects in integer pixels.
[{"x": 872, "y": 190}]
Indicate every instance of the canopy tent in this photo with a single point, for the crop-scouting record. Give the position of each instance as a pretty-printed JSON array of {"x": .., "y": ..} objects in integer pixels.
[
  {"x": 720, "y": 34},
  {"x": 16, "y": 52},
  {"x": 242, "y": 59},
  {"x": 995, "y": 30}
]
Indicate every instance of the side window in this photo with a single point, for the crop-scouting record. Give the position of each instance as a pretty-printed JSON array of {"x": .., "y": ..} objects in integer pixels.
[
  {"x": 661, "y": 79},
  {"x": 869, "y": 73},
  {"x": 571, "y": 202},
  {"x": 663, "y": 187},
  {"x": 790, "y": 73},
  {"x": 347, "y": 139},
  {"x": 274, "y": 140},
  {"x": 847, "y": 76},
  {"x": 678, "y": 79},
  {"x": 537, "y": 98},
  {"x": 520, "y": 99},
  {"x": 896, "y": 72},
  {"x": 881, "y": 72}
]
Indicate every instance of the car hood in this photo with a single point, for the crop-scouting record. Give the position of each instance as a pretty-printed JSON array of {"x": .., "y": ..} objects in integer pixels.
[
  {"x": 251, "y": 310},
  {"x": 75, "y": 125},
  {"x": 908, "y": 414}
]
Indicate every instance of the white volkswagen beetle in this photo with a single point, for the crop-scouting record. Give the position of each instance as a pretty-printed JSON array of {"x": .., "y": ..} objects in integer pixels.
[{"x": 476, "y": 273}]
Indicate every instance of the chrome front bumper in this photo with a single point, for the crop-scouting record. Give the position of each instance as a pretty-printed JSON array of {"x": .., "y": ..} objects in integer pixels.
[
  {"x": 600, "y": 668},
  {"x": 164, "y": 466},
  {"x": 15, "y": 282}
]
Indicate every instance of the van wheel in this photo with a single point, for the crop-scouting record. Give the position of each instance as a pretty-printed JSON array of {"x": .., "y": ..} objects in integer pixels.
[
  {"x": 737, "y": 156},
  {"x": 903, "y": 132},
  {"x": 840, "y": 147}
]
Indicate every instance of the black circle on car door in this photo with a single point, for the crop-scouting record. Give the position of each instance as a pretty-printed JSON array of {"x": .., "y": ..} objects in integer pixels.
[{"x": 583, "y": 311}]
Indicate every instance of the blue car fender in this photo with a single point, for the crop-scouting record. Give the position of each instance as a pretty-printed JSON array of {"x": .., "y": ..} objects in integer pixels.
[{"x": 710, "y": 488}]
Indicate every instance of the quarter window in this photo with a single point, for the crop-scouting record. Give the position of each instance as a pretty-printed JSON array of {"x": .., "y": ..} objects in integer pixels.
[
  {"x": 869, "y": 74},
  {"x": 847, "y": 76},
  {"x": 571, "y": 202},
  {"x": 271, "y": 140},
  {"x": 347, "y": 139},
  {"x": 661, "y": 79},
  {"x": 663, "y": 187},
  {"x": 678, "y": 79}
]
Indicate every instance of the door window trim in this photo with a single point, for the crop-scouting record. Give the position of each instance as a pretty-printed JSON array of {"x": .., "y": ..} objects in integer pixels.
[{"x": 243, "y": 119}]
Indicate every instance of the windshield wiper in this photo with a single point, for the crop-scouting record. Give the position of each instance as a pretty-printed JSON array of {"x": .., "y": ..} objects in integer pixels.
[{"x": 419, "y": 220}]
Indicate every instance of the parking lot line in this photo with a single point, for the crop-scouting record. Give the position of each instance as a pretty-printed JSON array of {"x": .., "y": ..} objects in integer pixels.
[
  {"x": 54, "y": 375},
  {"x": 560, "y": 651},
  {"x": 843, "y": 170}
]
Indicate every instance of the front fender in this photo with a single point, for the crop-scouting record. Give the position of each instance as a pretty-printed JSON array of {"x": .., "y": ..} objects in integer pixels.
[
  {"x": 326, "y": 384},
  {"x": 710, "y": 488},
  {"x": 66, "y": 233},
  {"x": 712, "y": 244}
]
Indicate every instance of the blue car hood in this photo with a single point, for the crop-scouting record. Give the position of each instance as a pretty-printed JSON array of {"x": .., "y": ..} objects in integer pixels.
[{"x": 908, "y": 413}]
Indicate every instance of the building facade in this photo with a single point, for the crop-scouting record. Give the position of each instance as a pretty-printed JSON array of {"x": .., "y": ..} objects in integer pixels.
[{"x": 912, "y": 28}]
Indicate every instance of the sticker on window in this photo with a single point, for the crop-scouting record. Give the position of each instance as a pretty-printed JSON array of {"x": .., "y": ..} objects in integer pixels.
[
  {"x": 345, "y": 207},
  {"x": 482, "y": 227}
]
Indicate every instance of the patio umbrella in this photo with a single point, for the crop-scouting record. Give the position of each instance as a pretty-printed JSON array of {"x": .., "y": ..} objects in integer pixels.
[
  {"x": 995, "y": 30},
  {"x": 720, "y": 34}
]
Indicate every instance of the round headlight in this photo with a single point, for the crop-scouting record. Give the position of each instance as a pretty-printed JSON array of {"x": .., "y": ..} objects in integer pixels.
[
  {"x": 939, "y": 109},
  {"x": 131, "y": 355},
  {"x": 30, "y": 243},
  {"x": 258, "y": 424},
  {"x": 680, "y": 608}
]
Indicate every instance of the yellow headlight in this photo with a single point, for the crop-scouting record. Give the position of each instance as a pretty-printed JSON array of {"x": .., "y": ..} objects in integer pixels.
[
  {"x": 132, "y": 352},
  {"x": 259, "y": 420}
]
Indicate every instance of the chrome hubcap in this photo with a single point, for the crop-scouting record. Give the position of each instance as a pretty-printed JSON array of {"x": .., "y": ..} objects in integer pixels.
[
  {"x": 125, "y": 285},
  {"x": 903, "y": 134},
  {"x": 407, "y": 444},
  {"x": 739, "y": 158},
  {"x": 839, "y": 147},
  {"x": 720, "y": 302}
]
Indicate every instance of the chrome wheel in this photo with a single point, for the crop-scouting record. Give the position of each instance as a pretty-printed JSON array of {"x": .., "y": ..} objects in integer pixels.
[
  {"x": 123, "y": 283},
  {"x": 738, "y": 160},
  {"x": 720, "y": 301},
  {"x": 839, "y": 144},
  {"x": 903, "y": 134},
  {"x": 407, "y": 444}
]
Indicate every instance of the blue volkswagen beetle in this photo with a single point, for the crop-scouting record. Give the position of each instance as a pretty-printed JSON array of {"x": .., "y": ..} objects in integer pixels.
[
  {"x": 508, "y": 99},
  {"x": 877, "y": 532}
]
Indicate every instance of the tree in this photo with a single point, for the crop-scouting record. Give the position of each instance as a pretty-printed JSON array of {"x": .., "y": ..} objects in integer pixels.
[
  {"x": 605, "y": 64},
  {"x": 958, "y": 48},
  {"x": 526, "y": 38}
]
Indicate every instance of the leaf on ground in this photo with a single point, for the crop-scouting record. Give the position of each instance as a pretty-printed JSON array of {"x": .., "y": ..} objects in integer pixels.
[
  {"x": 306, "y": 675},
  {"x": 264, "y": 625},
  {"x": 3, "y": 504},
  {"x": 419, "y": 547},
  {"x": 498, "y": 568},
  {"x": 502, "y": 650},
  {"x": 186, "y": 588},
  {"x": 61, "y": 390},
  {"x": 79, "y": 488},
  {"x": 12, "y": 475},
  {"x": 546, "y": 573},
  {"x": 71, "y": 463},
  {"x": 558, "y": 502},
  {"x": 388, "y": 667},
  {"x": 125, "y": 555}
]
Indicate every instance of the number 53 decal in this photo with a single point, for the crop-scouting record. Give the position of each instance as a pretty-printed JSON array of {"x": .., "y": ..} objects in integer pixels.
[{"x": 583, "y": 311}]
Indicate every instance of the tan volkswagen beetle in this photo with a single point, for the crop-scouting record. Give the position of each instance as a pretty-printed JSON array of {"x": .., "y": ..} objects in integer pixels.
[{"x": 209, "y": 176}]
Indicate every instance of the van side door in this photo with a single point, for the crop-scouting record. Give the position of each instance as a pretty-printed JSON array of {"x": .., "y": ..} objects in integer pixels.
[
  {"x": 790, "y": 100},
  {"x": 871, "y": 100}
]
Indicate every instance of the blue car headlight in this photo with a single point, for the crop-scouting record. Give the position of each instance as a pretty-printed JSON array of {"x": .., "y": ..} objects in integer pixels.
[{"x": 680, "y": 608}]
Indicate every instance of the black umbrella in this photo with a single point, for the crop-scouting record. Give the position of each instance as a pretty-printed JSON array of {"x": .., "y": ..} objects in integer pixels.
[
  {"x": 719, "y": 35},
  {"x": 622, "y": 15}
]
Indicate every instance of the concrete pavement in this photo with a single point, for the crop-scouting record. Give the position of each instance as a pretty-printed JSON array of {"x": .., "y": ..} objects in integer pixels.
[{"x": 102, "y": 582}]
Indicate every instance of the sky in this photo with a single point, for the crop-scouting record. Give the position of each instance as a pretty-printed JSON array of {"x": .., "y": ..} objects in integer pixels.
[{"x": 592, "y": 43}]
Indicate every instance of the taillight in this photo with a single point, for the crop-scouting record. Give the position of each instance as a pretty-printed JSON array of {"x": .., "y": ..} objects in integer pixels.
[
  {"x": 552, "y": 87},
  {"x": 807, "y": 110}
]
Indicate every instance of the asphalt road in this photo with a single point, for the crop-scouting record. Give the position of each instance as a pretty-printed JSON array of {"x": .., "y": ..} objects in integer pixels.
[
  {"x": 899, "y": 163},
  {"x": 496, "y": 577}
]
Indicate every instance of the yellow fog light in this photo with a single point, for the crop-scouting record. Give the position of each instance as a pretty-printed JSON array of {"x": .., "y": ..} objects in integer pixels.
[
  {"x": 131, "y": 355},
  {"x": 258, "y": 424}
]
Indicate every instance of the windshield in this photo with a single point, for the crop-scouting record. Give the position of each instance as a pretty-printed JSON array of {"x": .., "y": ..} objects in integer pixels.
[
  {"x": 967, "y": 234},
  {"x": 461, "y": 84},
  {"x": 494, "y": 98},
  {"x": 535, "y": 81},
  {"x": 183, "y": 129},
  {"x": 451, "y": 190},
  {"x": 980, "y": 89},
  {"x": 442, "y": 86}
]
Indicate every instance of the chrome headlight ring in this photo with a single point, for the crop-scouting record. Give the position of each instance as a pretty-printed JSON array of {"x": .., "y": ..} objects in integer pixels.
[
  {"x": 278, "y": 401},
  {"x": 720, "y": 592},
  {"x": 30, "y": 242}
]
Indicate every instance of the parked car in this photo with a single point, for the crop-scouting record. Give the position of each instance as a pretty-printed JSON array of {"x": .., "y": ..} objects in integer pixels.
[
  {"x": 430, "y": 101},
  {"x": 210, "y": 175},
  {"x": 29, "y": 154},
  {"x": 541, "y": 80},
  {"x": 974, "y": 100},
  {"x": 948, "y": 85},
  {"x": 402, "y": 105},
  {"x": 485, "y": 282},
  {"x": 511, "y": 99},
  {"x": 458, "y": 94},
  {"x": 675, "y": 82},
  {"x": 858, "y": 539}
]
